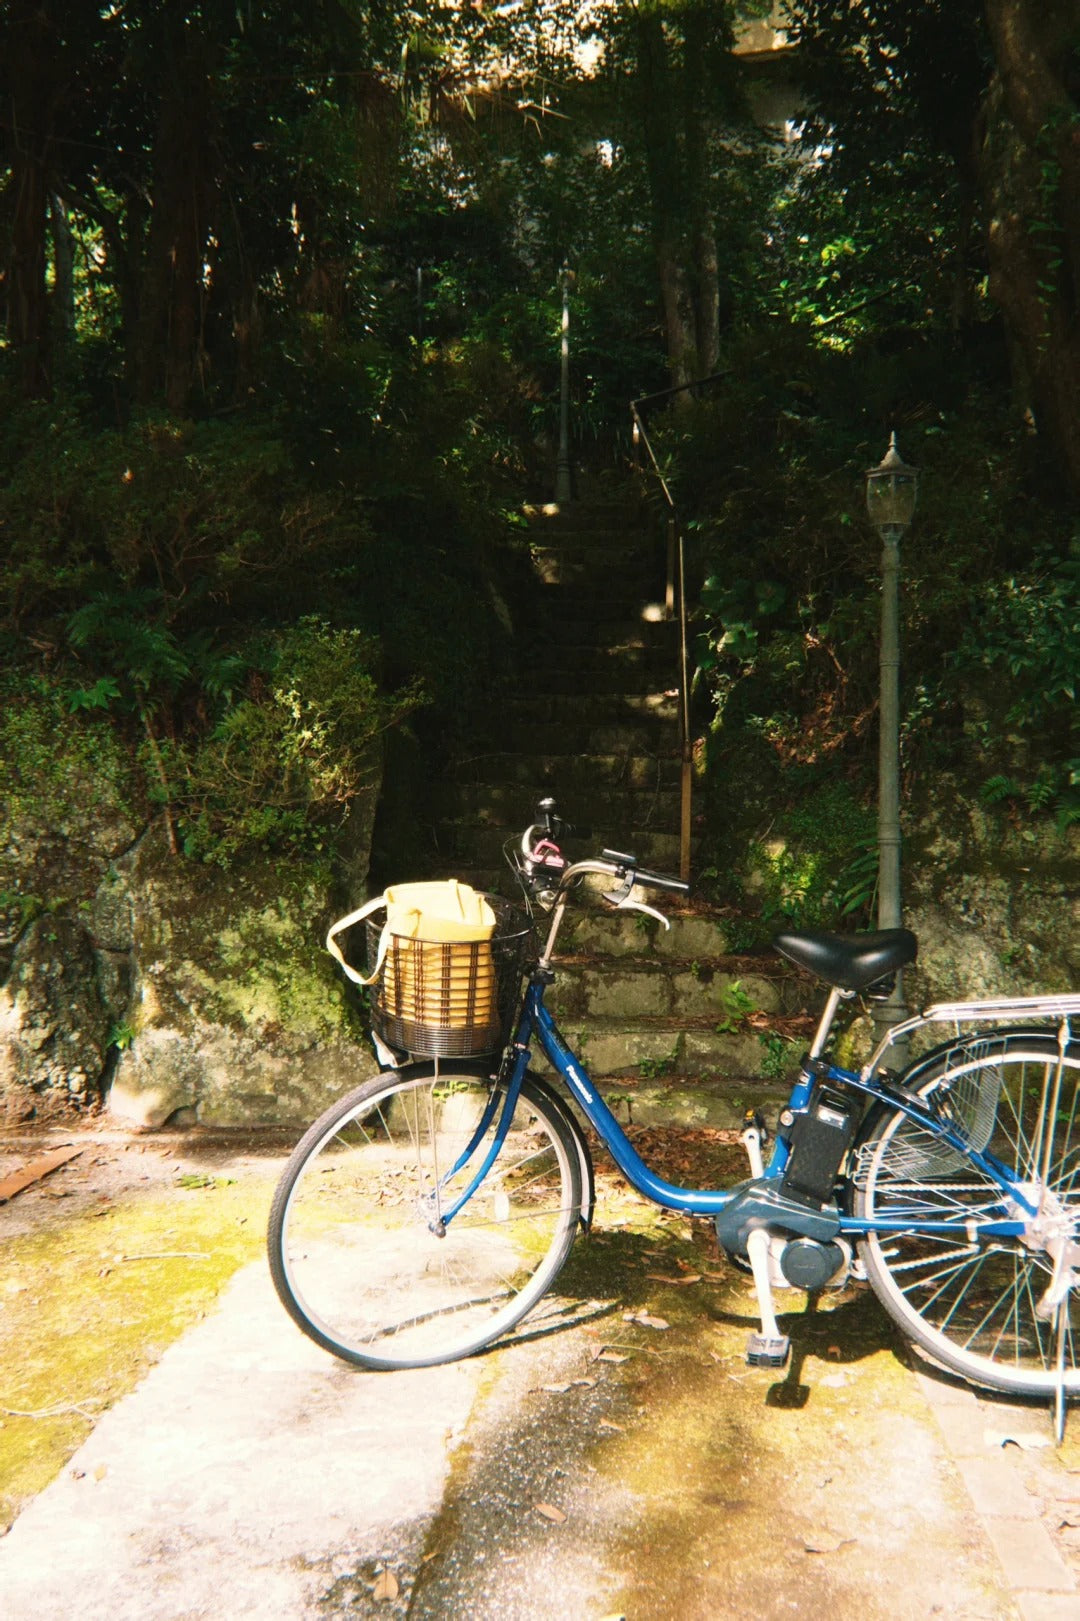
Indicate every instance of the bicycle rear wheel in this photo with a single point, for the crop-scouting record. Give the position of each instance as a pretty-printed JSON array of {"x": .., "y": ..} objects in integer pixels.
[
  {"x": 358, "y": 1251},
  {"x": 983, "y": 1307}
]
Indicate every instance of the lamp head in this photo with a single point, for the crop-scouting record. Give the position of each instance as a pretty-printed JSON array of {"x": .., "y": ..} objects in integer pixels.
[{"x": 892, "y": 489}]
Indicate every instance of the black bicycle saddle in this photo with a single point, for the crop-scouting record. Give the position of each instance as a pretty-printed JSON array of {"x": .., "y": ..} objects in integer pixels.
[{"x": 849, "y": 962}]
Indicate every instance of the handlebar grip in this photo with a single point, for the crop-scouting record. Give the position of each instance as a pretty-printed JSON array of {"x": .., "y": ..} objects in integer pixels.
[{"x": 656, "y": 880}]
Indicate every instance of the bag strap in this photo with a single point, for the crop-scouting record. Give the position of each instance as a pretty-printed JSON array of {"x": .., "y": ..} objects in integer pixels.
[{"x": 346, "y": 923}]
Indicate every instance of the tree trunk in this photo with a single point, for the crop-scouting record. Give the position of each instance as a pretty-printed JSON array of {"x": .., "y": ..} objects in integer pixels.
[
  {"x": 1030, "y": 167},
  {"x": 673, "y": 95},
  {"x": 696, "y": 155},
  {"x": 27, "y": 303},
  {"x": 168, "y": 342},
  {"x": 678, "y": 315},
  {"x": 29, "y": 114},
  {"x": 63, "y": 271}
]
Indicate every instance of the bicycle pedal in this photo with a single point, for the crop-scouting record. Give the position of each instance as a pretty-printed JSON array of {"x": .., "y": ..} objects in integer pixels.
[{"x": 767, "y": 1351}]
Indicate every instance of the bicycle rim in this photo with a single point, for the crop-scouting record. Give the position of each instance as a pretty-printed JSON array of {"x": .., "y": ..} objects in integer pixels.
[
  {"x": 358, "y": 1252},
  {"x": 984, "y": 1308}
]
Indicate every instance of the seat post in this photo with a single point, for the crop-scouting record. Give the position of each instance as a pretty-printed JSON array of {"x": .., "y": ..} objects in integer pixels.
[{"x": 836, "y": 996}]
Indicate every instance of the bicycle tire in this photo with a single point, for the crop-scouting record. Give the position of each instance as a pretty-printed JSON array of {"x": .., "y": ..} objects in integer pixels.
[
  {"x": 355, "y": 1250},
  {"x": 972, "y": 1304}
]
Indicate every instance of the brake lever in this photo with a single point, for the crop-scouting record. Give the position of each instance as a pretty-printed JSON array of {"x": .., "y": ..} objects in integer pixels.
[{"x": 619, "y": 901}]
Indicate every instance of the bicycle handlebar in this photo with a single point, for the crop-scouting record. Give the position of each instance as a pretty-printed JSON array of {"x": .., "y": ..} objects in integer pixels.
[
  {"x": 544, "y": 860},
  {"x": 654, "y": 880}
]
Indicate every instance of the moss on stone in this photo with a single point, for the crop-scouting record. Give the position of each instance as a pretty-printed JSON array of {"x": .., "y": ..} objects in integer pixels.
[{"x": 90, "y": 1304}]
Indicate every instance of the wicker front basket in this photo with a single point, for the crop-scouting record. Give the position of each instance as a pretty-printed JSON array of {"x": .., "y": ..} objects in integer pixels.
[{"x": 448, "y": 999}]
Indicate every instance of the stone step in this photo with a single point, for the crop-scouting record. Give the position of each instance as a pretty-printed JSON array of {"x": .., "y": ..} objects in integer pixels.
[
  {"x": 592, "y": 708},
  {"x": 573, "y": 773},
  {"x": 512, "y": 805},
  {"x": 699, "y": 937},
  {"x": 632, "y": 988},
  {"x": 599, "y": 635},
  {"x": 615, "y": 514},
  {"x": 597, "y": 567},
  {"x": 721, "y": 1102},
  {"x": 657, "y": 737},
  {"x": 627, "y": 658},
  {"x": 554, "y": 680},
  {"x": 557, "y": 678},
  {"x": 480, "y": 847},
  {"x": 655, "y": 1051},
  {"x": 592, "y": 553},
  {"x": 607, "y": 600}
]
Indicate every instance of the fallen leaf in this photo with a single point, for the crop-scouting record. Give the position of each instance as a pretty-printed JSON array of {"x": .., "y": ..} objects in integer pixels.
[
  {"x": 825, "y": 1542},
  {"x": 556, "y": 1390},
  {"x": 610, "y": 1356},
  {"x": 689, "y": 1277},
  {"x": 1005, "y": 1438},
  {"x": 13, "y": 1184},
  {"x": 386, "y": 1587},
  {"x": 646, "y": 1320},
  {"x": 101, "y": 1471},
  {"x": 834, "y": 1353},
  {"x": 610, "y": 1424},
  {"x": 550, "y": 1512}
]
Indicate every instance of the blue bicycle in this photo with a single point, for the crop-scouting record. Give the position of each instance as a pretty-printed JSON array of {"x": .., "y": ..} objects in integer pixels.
[{"x": 428, "y": 1211}]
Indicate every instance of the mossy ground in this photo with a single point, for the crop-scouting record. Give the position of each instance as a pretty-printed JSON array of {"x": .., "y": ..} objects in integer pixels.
[
  {"x": 92, "y": 1299},
  {"x": 692, "y": 1485}
]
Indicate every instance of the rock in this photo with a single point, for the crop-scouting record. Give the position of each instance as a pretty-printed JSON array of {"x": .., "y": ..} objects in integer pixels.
[
  {"x": 208, "y": 993},
  {"x": 54, "y": 1023},
  {"x": 238, "y": 1016},
  {"x": 994, "y": 901}
]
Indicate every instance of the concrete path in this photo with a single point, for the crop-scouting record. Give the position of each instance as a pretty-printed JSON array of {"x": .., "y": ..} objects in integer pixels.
[
  {"x": 246, "y": 1476},
  {"x": 610, "y": 1468}
]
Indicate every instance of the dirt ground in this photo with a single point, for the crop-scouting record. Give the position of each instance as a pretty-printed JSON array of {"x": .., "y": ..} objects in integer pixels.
[{"x": 618, "y": 1457}]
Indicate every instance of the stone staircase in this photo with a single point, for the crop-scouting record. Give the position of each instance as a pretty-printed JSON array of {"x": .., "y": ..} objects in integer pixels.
[{"x": 671, "y": 1021}]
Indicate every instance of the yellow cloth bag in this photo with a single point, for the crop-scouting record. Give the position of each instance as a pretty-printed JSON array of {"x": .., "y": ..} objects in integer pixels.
[{"x": 434, "y": 954}]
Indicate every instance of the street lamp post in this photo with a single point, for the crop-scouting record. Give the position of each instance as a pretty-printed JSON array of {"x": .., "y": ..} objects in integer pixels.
[
  {"x": 562, "y": 466},
  {"x": 891, "y": 492}
]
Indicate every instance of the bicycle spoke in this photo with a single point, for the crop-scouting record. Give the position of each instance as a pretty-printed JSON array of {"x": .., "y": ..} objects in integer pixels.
[
  {"x": 976, "y": 1303},
  {"x": 359, "y": 1251}
]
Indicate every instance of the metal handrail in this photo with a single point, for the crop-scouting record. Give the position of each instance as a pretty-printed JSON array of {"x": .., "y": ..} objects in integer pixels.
[
  {"x": 674, "y": 598},
  {"x": 675, "y": 602}
]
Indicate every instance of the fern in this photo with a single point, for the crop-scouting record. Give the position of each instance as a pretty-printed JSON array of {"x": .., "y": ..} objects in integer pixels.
[{"x": 997, "y": 789}]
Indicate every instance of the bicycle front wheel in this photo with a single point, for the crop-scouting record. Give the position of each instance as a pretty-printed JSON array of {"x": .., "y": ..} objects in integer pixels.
[
  {"x": 360, "y": 1253},
  {"x": 1001, "y": 1312}
]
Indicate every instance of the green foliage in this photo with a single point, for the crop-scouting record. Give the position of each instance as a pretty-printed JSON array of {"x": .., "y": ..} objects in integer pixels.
[
  {"x": 238, "y": 627},
  {"x": 779, "y": 1055},
  {"x": 654, "y": 1069},
  {"x": 284, "y": 763},
  {"x": 735, "y": 1005},
  {"x": 855, "y": 887},
  {"x": 57, "y": 766},
  {"x": 1028, "y": 627},
  {"x": 1026, "y": 637},
  {"x": 822, "y": 866},
  {"x": 121, "y": 1035}
]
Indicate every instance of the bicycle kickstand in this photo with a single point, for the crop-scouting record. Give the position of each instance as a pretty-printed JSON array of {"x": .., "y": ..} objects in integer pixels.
[{"x": 770, "y": 1348}]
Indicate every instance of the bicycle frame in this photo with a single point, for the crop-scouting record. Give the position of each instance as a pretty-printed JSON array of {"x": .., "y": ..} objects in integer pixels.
[{"x": 536, "y": 1020}]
